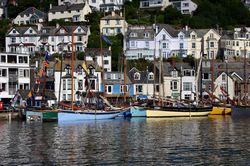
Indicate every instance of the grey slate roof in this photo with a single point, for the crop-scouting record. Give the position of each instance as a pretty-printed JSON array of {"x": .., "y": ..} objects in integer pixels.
[
  {"x": 167, "y": 67},
  {"x": 140, "y": 31},
  {"x": 143, "y": 76},
  {"x": 50, "y": 30},
  {"x": 173, "y": 32},
  {"x": 33, "y": 11},
  {"x": 110, "y": 17},
  {"x": 67, "y": 7},
  {"x": 97, "y": 52},
  {"x": 117, "y": 81}
]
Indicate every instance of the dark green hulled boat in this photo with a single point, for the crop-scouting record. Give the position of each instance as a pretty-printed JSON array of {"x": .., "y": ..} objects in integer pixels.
[{"x": 42, "y": 115}]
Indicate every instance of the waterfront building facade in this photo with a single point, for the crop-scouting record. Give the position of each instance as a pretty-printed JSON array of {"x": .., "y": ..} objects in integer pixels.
[
  {"x": 69, "y": 12},
  {"x": 113, "y": 24},
  {"x": 31, "y": 39},
  {"x": 14, "y": 74},
  {"x": 140, "y": 42},
  {"x": 236, "y": 44}
]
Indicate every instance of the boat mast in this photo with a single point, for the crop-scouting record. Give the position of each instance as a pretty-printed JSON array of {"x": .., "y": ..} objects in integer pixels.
[
  {"x": 212, "y": 78},
  {"x": 60, "y": 81},
  {"x": 245, "y": 76},
  {"x": 154, "y": 62},
  {"x": 197, "y": 79},
  {"x": 124, "y": 60},
  {"x": 72, "y": 72},
  {"x": 103, "y": 81}
]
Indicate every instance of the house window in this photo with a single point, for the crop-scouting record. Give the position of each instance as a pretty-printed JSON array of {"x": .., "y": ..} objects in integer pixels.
[
  {"x": 3, "y": 72},
  {"x": 79, "y": 38},
  {"x": 147, "y": 44},
  {"x": 109, "y": 89},
  {"x": 106, "y": 62},
  {"x": 3, "y": 86},
  {"x": 212, "y": 44},
  {"x": 3, "y": 58},
  {"x": 138, "y": 88},
  {"x": 69, "y": 84},
  {"x": 80, "y": 85},
  {"x": 187, "y": 86},
  {"x": 187, "y": 97},
  {"x": 13, "y": 40},
  {"x": 23, "y": 59},
  {"x": 181, "y": 45},
  {"x": 173, "y": 85},
  {"x": 211, "y": 35},
  {"x": 64, "y": 85},
  {"x": 31, "y": 31},
  {"x": 132, "y": 43},
  {"x": 117, "y": 22},
  {"x": 181, "y": 37},
  {"x": 206, "y": 76},
  {"x": 163, "y": 37},
  {"x": 223, "y": 77},
  {"x": 151, "y": 76},
  {"x": 174, "y": 73},
  {"x": 164, "y": 45},
  {"x": 137, "y": 76},
  {"x": 193, "y": 45},
  {"x": 122, "y": 87},
  {"x": 157, "y": 88},
  {"x": 193, "y": 36},
  {"x": 64, "y": 96},
  {"x": 146, "y": 35},
  {"x": 107, "y": 22}
]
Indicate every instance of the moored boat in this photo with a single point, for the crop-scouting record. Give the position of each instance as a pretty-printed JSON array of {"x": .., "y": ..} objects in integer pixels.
[
  {"x": 178, "y": 112},
  {"x": 137, "y": 111},
  {"x": 220, "y": 110},
  {"x": 42, "y": 115},
  {"x": 241, "y": 111},
  {"x": 78, "y": 115}
]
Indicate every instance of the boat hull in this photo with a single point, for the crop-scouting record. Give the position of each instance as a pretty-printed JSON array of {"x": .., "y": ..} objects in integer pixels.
[
  {"x": 221, "y": 111},
  {"x": 45, "y": 116},
  {"x": 137, "y": 112},
  {"x": 68, "y": 115},
  {"x": 178, "y": 112},
  {"x": 241, "y": 111}
]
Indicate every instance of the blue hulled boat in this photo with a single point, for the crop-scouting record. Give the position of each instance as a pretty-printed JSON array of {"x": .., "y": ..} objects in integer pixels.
[
  {"x": 241, "y": 111},
  {"x": 136, "y": 111}
]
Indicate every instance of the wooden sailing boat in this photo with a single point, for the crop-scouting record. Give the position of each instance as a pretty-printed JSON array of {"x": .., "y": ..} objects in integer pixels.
[
  {"x": 180, "y": 110},
  {"x": 71, "y": 115},
  {"x": 43, "y": 112},
  {"x": 243, "y": 110},
  {"x": 218, "y": 109}
]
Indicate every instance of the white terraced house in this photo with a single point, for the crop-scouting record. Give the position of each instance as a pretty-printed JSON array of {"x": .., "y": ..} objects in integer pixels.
[
  {"x": 14, "y": 74},
  {"x": 28, "y": 40},
  {"x": 236, "y": 43},
  {"x": 140, "y": 42},
  {"x": 149, "y": 4}
]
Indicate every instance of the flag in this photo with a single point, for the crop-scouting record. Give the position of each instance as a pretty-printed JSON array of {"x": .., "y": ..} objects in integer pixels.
[
  {"x": 30, "y": 94},
  {"x": 47, "y": 57},
  {"x": 106, "y": 40},
  {"x": 84, "y": 66}
]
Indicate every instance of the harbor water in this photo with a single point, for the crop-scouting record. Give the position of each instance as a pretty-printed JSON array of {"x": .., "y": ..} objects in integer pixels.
[{"x": 215, "y": 140}]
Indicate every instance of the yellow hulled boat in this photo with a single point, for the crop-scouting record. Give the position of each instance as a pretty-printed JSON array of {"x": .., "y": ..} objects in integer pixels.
[{"x": 220, "y": 110}]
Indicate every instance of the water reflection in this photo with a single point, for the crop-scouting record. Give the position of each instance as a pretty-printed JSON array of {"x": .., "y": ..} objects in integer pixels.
[{"x": 136, "y": 141}]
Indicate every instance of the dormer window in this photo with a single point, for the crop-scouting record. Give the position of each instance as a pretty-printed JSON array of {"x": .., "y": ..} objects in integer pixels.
[
  {"x": 146, "y": 35},
  {"x": 151, "y": 76},
  {"x": 67, "y": 69},
  {"x": 174, "y": 73},
  {"x": 62, "y": 31},
  {"x": 211, "y": 35},
  {"x": 31, "y": 31},
  {"x": 79, "y": 30},
  {"x": 137, "y": 76},
  {"x": 181, "y": 37},
  {"x": 193, "y": 36},
  {"x": 44, "y": 31},
  {"x": 14, "y": 31},
  {"x": 133, "y": 34}
]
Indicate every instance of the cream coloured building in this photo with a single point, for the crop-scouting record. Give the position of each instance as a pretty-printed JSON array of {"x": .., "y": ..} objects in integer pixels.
[
  {"x": 69, "y": 12},
  {"x": 113, "y": 24}
]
